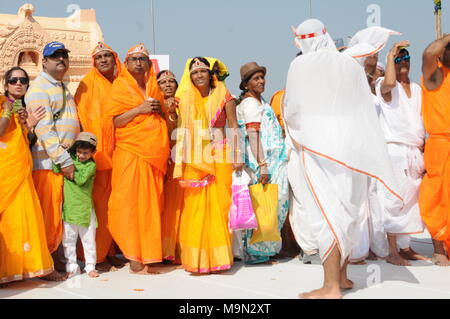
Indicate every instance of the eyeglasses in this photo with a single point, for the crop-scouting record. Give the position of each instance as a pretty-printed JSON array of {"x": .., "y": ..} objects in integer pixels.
[
  {"x": 135, "y": 59},
  {"x": 23, "y": 80},
  {"x": 60, "y": 54},
  {"x": 398, "y": 59}
]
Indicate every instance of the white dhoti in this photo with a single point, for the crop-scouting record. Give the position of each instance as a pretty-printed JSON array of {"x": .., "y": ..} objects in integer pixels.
[
  {"x": 302, "y": 201},
  {"x": 339, "y": 194},
  {"x": 404, "y": 159},
  {"x": 403, "y": 128}
]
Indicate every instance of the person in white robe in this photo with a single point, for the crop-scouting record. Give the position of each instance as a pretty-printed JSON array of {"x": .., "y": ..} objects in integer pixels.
[
  {"x": 330, "y": 118},
  {"x": 402, "y": 124}
]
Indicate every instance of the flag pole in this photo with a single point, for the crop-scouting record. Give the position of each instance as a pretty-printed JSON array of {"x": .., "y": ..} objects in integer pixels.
[{"x": 438, "y": 18}]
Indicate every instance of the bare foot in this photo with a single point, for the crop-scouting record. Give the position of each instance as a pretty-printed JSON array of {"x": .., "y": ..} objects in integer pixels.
[
  {"x": 139, "y": 272},
  {"x": 397, "y": 260},
  {"x": 93, "y": 274},
  {"x": 152, "y": 271},
  {"x": 440, "y": 260},
  {"x": 105, "y": 267},
  {"x": 346, "y": 284},
  {"x": 371, "y": 256},
  {"x": 116, "y": 262},
  {"x": 322, "y": 293},
  {"x": 361, "y": 262},
  {"x": 410, "y": 254},
  {"x": 271, "y": 262},
  {"x": 55, "y": 276}
]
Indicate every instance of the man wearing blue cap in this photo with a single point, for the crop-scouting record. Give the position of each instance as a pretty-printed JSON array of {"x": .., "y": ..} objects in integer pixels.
[{"x": 55, "y": 133}]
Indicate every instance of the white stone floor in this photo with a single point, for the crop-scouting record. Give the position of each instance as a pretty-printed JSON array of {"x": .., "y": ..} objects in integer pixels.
[{"x": 376, "y": 280}]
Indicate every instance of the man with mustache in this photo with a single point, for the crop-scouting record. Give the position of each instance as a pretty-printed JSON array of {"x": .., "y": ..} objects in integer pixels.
[
  {"x": 90, "y": 98},
  {"x": 55, "y": 133}
]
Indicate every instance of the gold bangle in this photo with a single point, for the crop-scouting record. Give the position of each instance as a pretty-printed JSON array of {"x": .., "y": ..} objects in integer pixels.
[
  {"x": 7, "y": 114},
  {"x": 170, "y": 118}
]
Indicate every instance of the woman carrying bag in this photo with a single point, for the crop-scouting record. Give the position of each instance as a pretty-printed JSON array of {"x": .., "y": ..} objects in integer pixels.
[{"x": 265, "y": 160}]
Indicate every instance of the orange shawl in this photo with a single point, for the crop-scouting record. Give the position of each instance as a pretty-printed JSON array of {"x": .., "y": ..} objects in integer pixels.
[
  {"x": 15, "y": 160},
  {"x": 91, "y": 97},
  {"x": 146, "y": 135}
]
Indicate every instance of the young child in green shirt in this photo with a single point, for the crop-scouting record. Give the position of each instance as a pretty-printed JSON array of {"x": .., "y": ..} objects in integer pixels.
[{"x": 78, "y": 209}]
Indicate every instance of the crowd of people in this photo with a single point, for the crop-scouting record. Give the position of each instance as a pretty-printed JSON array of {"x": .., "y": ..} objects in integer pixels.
[{"x": 140, "y": 167}]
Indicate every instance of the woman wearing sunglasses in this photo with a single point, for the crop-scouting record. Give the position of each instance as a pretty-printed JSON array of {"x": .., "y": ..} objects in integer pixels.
[
  {"x": 23, "y": 249},
  {"x": 401, "y": 121}
]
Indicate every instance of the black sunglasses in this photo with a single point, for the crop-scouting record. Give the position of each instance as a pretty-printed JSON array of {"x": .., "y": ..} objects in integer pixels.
[
  {"x": 23, "y": 80},
  {"x": 400, "y": 59},
  {"x": 60, "y": 54}
]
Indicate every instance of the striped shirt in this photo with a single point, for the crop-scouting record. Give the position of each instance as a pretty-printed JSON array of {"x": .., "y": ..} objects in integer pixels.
[{"x": 58, "y": 128}]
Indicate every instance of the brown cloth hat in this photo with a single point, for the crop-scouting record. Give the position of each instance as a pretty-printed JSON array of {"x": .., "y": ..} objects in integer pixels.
[
  {"x": 87, "y": 137},
  {"x": 247, "y": 70}
]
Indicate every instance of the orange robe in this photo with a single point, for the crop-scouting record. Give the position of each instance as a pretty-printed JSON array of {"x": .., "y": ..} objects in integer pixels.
[
  {"x": 434, "y": 198},
  {"x": 140, "y": 151},
  {"x": 23, "y": 246},
  {"x": 91, "y": 97},
  {"x": 275, "y": 102}
]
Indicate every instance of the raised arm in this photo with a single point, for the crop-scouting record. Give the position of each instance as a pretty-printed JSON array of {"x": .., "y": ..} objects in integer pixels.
[
  {"x": 390, "y": 77},
  {"x": 432, "y": 74}
]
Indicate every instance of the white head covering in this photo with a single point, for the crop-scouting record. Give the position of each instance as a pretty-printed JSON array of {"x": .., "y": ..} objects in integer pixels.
[
  {"x": 368, "y": 42},
  {"x": 328, "y": 109},
  {"x": 311, "y": 36}
]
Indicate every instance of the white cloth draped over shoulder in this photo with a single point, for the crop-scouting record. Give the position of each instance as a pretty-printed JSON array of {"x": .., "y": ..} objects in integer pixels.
[
  {"x": 330, "y": 116},
  {"x": 404, "y": 132}
]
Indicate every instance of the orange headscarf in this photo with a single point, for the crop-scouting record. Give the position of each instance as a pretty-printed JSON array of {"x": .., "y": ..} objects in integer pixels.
[
  {"x": 91, "y": 97},
  {"x": 146, "y": 135}
]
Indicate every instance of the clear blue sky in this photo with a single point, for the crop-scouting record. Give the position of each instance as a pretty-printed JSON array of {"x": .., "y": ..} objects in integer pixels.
[{"x": 240, "y": 31}]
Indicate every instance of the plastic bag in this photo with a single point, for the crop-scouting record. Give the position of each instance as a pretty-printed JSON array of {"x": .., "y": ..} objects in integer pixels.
[
  {"x": 265, "y": 204},
  {"x": 241, "y": 215}
]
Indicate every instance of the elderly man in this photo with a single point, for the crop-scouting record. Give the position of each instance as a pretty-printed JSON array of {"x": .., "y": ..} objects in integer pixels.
[
  {"x": 339, "y": 146},
  {"x": 91, "y": 97},
  {"x": 55, "y": 133},
  {"x": 135, "y": 136},
  {"x": 435, "y": 192}
]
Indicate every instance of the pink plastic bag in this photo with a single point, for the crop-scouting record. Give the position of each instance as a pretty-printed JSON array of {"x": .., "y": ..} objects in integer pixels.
[{"x": 241, "y": 214}]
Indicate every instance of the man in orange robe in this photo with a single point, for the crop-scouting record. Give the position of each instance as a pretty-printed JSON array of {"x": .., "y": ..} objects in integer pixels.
[
  {"x": 434, "y": 198},
  {"x": 135, "y": 136},
  {"x": 91, "y": 97}
]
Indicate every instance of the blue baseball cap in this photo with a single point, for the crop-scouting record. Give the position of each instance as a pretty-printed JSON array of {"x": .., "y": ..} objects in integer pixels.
[{"x": 52, "y": 47}]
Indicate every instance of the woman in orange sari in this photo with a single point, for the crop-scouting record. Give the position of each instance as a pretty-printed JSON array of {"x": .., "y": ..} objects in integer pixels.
[
  {"x": 23, "y": 246},
  {"x": 203, "y": 169}
]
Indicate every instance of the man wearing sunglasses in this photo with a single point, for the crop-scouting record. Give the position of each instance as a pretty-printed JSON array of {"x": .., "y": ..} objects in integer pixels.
[
  {"x": 435, "y": 191},
  {"x": 401, "y": 121},
  {"x": 55, "y": 133}
]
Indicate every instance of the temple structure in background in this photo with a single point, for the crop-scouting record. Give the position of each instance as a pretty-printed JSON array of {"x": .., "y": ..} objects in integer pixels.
[{"x": 23, "y": 37}]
